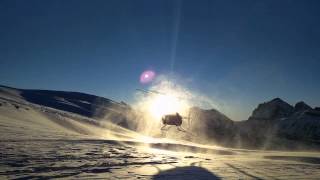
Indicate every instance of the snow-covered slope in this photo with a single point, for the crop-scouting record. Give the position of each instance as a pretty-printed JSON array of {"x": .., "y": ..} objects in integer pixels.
[
  {"x": 272, "y": 125},
  {"x": 39, "y": 142},
  {"x": 42, "y": 142},
  {"x": 81, "y": 104}
]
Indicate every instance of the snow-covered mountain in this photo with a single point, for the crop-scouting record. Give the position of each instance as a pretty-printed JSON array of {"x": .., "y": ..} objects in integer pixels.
[
  {"x": 82, "y": 104},
  {"x": 277, "y": 124},
  {"x": 273, "y": 125},
  {"x": 274, "y": 109},
  {"x": 212, "y": 125}
]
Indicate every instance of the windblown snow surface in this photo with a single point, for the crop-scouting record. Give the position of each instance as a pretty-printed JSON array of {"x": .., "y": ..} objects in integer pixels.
[{"x": 42, "y": 143}]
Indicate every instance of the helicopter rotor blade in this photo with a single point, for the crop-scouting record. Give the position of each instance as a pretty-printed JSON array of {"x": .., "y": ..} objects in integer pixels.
[
  {"x": 165, "y": 94},
  {"x": 158, "y": 93},
  {"x": 150, "y": 91}
]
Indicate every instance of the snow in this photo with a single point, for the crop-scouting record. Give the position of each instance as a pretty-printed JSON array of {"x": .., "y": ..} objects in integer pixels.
[{"x": 39, "y": 142}]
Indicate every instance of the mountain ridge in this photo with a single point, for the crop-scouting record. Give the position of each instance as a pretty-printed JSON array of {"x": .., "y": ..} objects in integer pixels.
[{"x": 271, "y": 123}]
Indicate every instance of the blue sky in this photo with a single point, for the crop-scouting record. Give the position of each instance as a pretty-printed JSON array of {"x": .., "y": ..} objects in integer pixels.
[{"x": 239, "y": 52}]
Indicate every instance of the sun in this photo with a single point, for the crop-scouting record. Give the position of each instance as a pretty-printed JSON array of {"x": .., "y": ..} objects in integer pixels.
[
  {"x": 165, "y": 104},
  {"x": 162, "y": 98}
]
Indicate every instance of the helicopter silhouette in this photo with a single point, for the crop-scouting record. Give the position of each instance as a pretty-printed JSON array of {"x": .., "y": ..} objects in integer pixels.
[
  {"x": 170, "y": 119},
  {"x": 174, "y": 120}
]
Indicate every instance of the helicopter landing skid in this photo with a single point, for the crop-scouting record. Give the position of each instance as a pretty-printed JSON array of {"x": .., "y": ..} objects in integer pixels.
[
  {"x": 185, "y": 131},
  {"x": 163, "y": 128},
  {"x": 179, "y": 128}
]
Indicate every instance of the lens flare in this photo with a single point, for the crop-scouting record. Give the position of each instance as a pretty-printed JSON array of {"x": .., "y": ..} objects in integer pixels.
[{"x": 147, "y": 76}]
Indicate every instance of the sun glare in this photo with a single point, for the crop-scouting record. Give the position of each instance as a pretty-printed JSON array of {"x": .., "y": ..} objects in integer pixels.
[
  {"x": 170, "y": 103},
  {"x": 162, "y": 105},
  {"x": 164, "y": 97}
]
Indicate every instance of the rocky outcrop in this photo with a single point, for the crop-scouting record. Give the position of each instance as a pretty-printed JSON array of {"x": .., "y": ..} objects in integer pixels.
[
  {"x": 273, "y": 125},
  {"x": 273, "y": 109},
  {"x": 211, "y": 124},
  {"x": 277, "y": 119},
  {"x": 301, "y": 106}
]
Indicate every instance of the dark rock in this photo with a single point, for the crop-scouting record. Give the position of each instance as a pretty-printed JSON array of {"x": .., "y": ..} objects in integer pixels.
[
  {"x": 211, "y": 124},
  {"x": 274, "y": 109},
  {"x": 16, "y": 106},
  {"x": 313, "y": 113},
  {"x": 301, "y": 106},
  {"x": 189, "y": 157}
]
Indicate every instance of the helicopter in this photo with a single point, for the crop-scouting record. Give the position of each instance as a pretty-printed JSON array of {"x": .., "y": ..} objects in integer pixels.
[
  {"x": 170, "y": 119},
  {"x": 174, "y": 120}
]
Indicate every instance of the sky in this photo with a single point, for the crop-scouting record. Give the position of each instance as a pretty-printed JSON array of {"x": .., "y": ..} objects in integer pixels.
[{"x": 239, "y": 53}]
